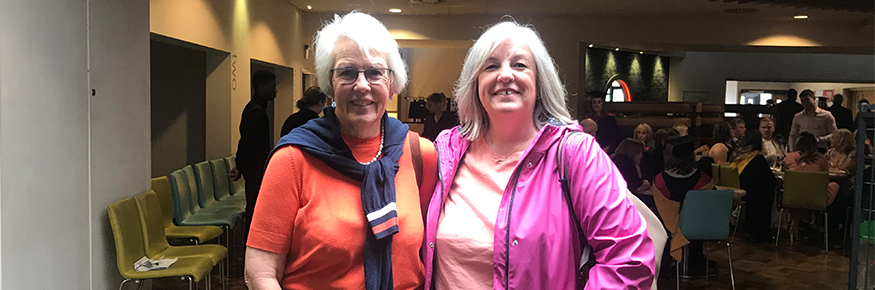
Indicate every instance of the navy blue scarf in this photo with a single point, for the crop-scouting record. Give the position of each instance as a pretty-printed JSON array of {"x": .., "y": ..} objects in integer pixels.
[{"x": 321, "y": 138}]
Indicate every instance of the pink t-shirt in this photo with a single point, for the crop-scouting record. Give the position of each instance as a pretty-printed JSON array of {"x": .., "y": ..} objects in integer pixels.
[{"x": 466, "y": 228}]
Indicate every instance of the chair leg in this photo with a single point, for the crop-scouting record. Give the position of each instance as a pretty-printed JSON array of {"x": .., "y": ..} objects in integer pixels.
[
  {"x": 139, "y": 284},
  {"x": 826, "y": 231},
  {"x": 190, "y": 282},
  {"x": 707, "y": 265},
  {"x": 780, "y": 220},
  {"x": 738, "y": 220},
  {"x": 122, "y": 285},
  {"x": 731, "y": 274},
  {"x": 677, "y": 270}
]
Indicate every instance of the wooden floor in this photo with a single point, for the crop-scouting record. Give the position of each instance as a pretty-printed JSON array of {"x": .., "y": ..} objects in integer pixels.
[{"x": 804, "y": 265}]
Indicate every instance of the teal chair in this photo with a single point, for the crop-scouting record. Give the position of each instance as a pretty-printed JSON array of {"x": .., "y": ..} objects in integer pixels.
[
  {"x": 206, "y": 186},
  {"x": 130, "y": 247},
  {"x": 238, "y": 186},
  {"x": 198, "y": 234},
  {"x": 705, "y": 217},
  {"x": 805, "y": 190},
  {"x": 223, "y": 183}
]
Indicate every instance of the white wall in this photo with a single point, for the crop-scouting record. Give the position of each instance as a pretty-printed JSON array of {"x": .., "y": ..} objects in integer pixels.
[
  {"x": 709, "y": 71},
  {"x": 119, "y": 121},
  {"x": 66, "y": 154},
  {"x": 44, "y": 142}
]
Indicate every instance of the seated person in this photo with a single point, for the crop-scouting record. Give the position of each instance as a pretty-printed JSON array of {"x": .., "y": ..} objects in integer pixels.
[
  {"x": 589, "y": 126},
  {"x": 669, "y": 189},
  {"x": 653, "y": 162},
  {"x": 842, "y": 151},
  {"x": 644, "y": 133},
  {"x": 756, "y": 178},
  {"x": 722, "y": 147},
  {"x": 438, "y": 119},
  {"x": 807, "y": 158},
  {"x": 627, "y": 158}
]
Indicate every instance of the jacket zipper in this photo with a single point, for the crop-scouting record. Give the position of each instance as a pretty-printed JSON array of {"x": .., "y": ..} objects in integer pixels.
[{"x": 516, "y": 178}]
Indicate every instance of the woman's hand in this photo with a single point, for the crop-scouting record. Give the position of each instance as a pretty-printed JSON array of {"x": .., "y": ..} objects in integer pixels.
[{"x": 645, "y": 185}]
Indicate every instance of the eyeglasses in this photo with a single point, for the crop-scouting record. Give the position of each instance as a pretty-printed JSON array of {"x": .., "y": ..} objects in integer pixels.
[{"x": 347, "y": 76}]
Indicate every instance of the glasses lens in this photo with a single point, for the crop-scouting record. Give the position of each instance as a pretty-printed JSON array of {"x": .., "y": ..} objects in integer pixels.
[
  {"x": 348, "y": 75},
  {"x": 375, "y": 75}
]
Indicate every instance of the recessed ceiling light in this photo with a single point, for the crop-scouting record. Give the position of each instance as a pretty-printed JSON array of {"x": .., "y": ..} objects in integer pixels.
[
  {"x": 395, "y": 10},
  {"x": 617, "y": 49},
  {"x": 800, "y": 17},
  {"x": 309, "y": 7},
  {"x": 640, "y": 52},
  {"x": 590, "y": 45}
]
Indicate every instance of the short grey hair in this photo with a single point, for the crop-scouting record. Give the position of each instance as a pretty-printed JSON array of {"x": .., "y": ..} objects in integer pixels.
[
  {"x": 370, "y": 34},
  {"x": 550, "y": 101}
]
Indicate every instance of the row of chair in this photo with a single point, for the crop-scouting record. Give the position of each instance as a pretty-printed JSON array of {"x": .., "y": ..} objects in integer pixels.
[
  {"x": 138, "y": 230},
  {"x": 194, "y": 204}
]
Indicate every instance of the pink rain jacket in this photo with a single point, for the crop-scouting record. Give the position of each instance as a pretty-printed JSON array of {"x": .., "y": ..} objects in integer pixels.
[{"x": 536, "y": 244}]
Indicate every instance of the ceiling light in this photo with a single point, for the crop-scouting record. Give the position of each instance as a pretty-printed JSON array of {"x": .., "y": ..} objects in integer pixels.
[
  {"x": 800, "y": 17},
  {"x": 617, "y": 49},
  {"x": 590, "y": 45},
  {"x": 640, "y": 52},
  {"x": 395, "y": 10},
  {"x": 309, "y": 7}
]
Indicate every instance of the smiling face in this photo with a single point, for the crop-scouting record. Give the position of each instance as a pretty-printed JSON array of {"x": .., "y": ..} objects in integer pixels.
[
  {"x": 597, "y": 104},
  {"x": 360, "y": 104},
  {"x": 507, "y": 81}
]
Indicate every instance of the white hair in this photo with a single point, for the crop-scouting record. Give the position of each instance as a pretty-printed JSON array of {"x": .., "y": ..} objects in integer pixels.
[
  {"x": 369, "y": 34},
  {"x": 550, "y": 101}
]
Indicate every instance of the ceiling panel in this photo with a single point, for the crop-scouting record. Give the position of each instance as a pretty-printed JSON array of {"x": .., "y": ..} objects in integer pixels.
[{"x": 430, "y": 9}]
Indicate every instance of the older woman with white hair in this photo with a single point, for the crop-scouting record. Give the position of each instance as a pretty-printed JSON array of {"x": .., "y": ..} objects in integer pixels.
[
  {"x": 340, "y": 206},
  {"x": 499, "y": 219}
]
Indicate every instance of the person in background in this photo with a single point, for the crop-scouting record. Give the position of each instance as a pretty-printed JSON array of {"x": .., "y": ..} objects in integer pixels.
[
  {"x": 589, "y": 126},
  {"x": 644, "y": 133},
  {"x": 439, "y": 117},
  {"x": 499, "y": 205},
  {"x": 255, "y": 144},
  {"x": 757, "y": 179},
  {"x": 669, "y": 189},
  {"x": 784, "y": 113},
  {"x": 597, "y": 106},
  {"x": 340, "y": 205},
  {"x": 681, "y": 128},
  {"x": 808, "y": 158},
  {"x": 309, "y": 108},
  {"x": 814, "y": 120},
  {"x": 723, "y": 146},
  {"x": 737, "y": 129},
  {"x": 842, "y": 115},
  {"x": 772, "y": 149},
  {"x": 608, "y": 134},
  {"x": 653, "y": 161},
  {"x": 821, "y": 103},
  {"x": 842, "y": 151},
  {"x": 627, "y": 158}
]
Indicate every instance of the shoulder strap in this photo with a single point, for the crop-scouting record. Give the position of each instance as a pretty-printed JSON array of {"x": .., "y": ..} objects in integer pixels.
[
  {"x": 416, "y": 156},
  {"x": 563, "y": 180}
]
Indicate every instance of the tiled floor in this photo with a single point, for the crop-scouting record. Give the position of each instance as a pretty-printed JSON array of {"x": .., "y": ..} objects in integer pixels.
[{"x": 762, "y": 266}]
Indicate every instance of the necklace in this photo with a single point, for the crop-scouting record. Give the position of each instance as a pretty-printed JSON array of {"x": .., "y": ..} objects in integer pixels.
[
  {"x": 498, "y": 158},
  {"x": 379, "y": 152}
]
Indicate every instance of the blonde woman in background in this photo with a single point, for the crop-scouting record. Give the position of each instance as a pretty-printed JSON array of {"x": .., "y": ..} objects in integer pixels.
[
  {"x": 644, "y": 134},
  {"x": 842, "y": 150}
]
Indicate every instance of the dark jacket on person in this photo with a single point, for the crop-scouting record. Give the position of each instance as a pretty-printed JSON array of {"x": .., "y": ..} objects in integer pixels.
[
  {"x": 784, "y": 119},
  {"x": 652, "y": 163},
  {"x": 254, "y": 145},
  {"x": 431, "y": 128},
  {"x": 843, "y": 117},
  {"x": 627, "y": 168},
  {"x": 757, "y": 179},
  {"x": 297, "y": 119}
]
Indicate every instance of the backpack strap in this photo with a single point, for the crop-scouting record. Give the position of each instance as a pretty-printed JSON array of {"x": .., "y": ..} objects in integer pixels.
[{"x": 416, "y": 156}]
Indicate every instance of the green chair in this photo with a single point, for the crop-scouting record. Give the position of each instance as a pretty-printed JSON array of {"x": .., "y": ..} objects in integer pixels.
[
  {"x": 715, "y": 171},
  {"x": 207, "y": 189},
  {"x": 149, "y": 209},
  {"x": 728, "y": 176},
  {"x": 130, "y": 247},
  {"x": 197, "y": 234},
  {"x": 187, "y": 210},
  {"x": 238, "y": 186},
  {"x": 705, "y": 217},
  {"x": 806, "y": 190},
  {"x": 223, "y": 183}
]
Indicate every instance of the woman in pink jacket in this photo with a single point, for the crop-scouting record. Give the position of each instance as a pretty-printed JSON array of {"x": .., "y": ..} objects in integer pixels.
[{"x": 499, "y": 219}]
